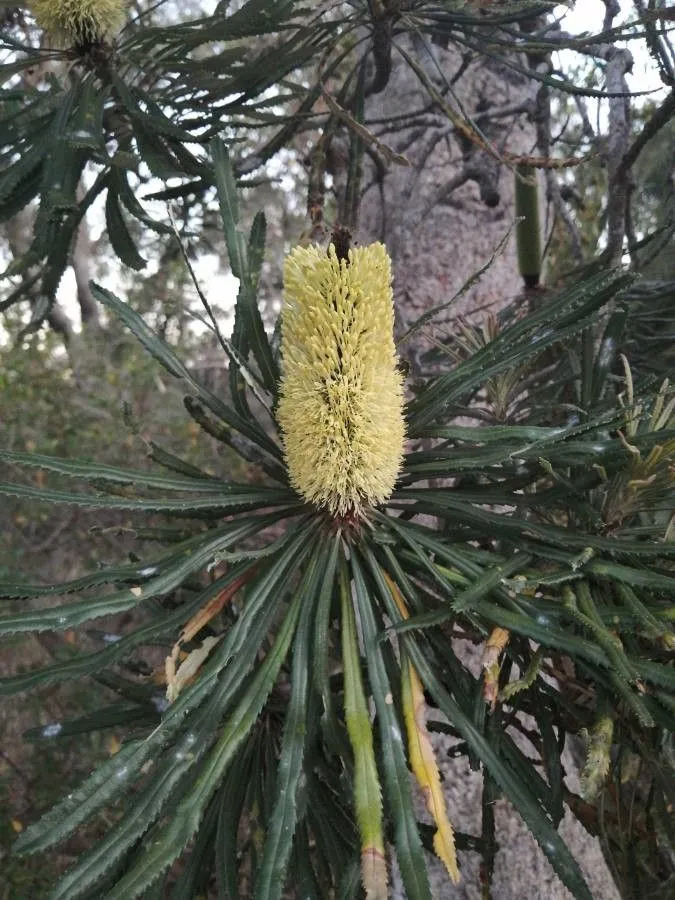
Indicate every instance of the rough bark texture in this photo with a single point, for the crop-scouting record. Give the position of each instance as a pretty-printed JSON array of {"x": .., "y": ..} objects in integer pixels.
[{"x": 442, "y": 219}]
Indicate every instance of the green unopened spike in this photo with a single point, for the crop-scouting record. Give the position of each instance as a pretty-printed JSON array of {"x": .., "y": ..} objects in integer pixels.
[{"x": 528, "y": 236}]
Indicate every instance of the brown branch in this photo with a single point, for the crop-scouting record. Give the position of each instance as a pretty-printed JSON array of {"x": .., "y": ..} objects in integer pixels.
[
  {"x": 382, "y": 14},
  {"x": 618, "y": 133},
  {"x": 80, "y": 261}
]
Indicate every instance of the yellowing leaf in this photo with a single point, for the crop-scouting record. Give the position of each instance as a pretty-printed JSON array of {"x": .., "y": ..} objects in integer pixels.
[
  {"x": 494, "y": 647},
  {"x": 176, "y": 680},
  {"x": 191, "y": 629},
  {"x": 425, "y": 768},
  {"x": 421, "y": 752}
]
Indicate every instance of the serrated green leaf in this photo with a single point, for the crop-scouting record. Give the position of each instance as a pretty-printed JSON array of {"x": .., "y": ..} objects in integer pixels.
[
  {"x": 279, "y": 838},
  {"x": 120, "y": 714},
  {"x": 229, "y": 208},
  {"x": 233, "y": 796},
  {"x": 119, "y": 234},
  {"x": 118, "y": 181},
  {"x": 100, "y": 788},
  {"x": 170, "y": 577},
  {"x": 235, "y": 497},
  {"x": 99, "y": 472},
  {"x": 185, "y": 821},
  {"x": 196, "y": 870},
  {"x": 85, "y": 129},
  {"x": 409, "y": 850},
  {"x": 20, "y": 171}
]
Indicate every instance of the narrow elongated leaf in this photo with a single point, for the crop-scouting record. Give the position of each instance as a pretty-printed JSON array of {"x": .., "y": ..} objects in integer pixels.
[
  {"x": 245, "y": 261},
  {"x": 367, "y": 793},
  {"x": 120, "y": 237},
  {"x": 233, "y": 497},
  {"x": 279, "y": 839},
  {"x": 118, "y": 181},
  {"x": 100, "y": 788},
  {"x": 101, "y": 473},
  {"x": 334, "y": 734},
  {"x": 229, "y": 208},
  {"x": 527, "y": 533},
  {"x": 248, "y": 306},
  {"x": 20, "y": 172},
  {"x": 409, "y": 849},
  {"x": 163, "y": 354},
  {"x": 120, "y": 714},
  {"x": 170, "y": 577},
  {"x": 421, "y": 752},
  {"x": 161, "y": 852},
  {"x": 518, "y": 791},
  {"x": 85, "y": 130},
  {"x": 233, "y": 796},
  {"x": 195, "y": 875}
]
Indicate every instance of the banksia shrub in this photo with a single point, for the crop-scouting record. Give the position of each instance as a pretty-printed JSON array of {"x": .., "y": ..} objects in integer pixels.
[
  {"x": 341, "y": 407},
  {"x": 79, "y": 21},
  {"x": 310, "y": 616}
]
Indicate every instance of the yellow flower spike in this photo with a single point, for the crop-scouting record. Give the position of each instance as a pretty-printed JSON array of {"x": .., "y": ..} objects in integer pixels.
[
  {"x": 421, "y": 753},
  {"x": 78, "y": 21},
  {"x": 341, "y": 407}
]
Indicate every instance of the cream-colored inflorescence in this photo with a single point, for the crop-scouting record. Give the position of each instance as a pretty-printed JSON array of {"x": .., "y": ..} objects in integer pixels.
[
  {"x": 341, "y": 406},
  {"x": 78, "y": 21}
]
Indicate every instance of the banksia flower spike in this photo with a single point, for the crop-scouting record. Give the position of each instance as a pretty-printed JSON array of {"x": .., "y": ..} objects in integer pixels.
[
  {"x": 341, "y": 407},
  {"x": 78, "y": 21}
]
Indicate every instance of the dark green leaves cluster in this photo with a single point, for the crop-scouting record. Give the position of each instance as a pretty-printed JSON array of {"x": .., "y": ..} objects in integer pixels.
[
  {"x": 550, "y": 517},
  {"x": 259, "y": 736},
  {"x": 126, "y": 113}
]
